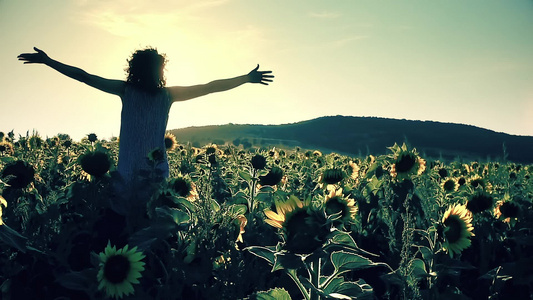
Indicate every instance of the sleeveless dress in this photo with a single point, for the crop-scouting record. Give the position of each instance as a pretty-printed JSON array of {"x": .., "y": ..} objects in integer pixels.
[{"x": 143, "y": 124}]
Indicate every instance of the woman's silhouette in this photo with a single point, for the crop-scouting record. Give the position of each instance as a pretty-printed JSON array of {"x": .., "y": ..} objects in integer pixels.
[{"x": 145, "y": 102}]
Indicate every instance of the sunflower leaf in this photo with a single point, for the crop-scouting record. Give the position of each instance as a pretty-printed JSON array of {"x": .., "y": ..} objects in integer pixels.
[
  {"x": 355, "y": 290},
  {"x": 176, "y": 215},
  {"x": 266, "y": 253},
  {"x": 144, "y": 238},
  {"x": 284, "y": 260},
  {"x": 264, "y": 197},
  {"x": 12, "y": 238},
  {"x": 274, "y": 294},
  {"x": 79, "y": 281},
  {"x": 343, "y": 261},
  {"x": 338, "y": 288},
  {"x": 419, "y": 268},
  {"x": 184, "y": 203},
  {"x": 245, "y": 175},
  {"x": 238, "y": 209}
]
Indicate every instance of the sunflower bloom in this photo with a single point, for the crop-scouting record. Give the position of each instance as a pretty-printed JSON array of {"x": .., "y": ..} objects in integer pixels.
[
  {"x": 18, "y": 174},
  {"x": 336, "y": 204},
  {"x": 478, "y": 182},
  {"x": 284, "y": 210},
  {"x": 184, "y": 187},
  {"x": 450, "y": 185},
  {"x": 119, "y": 270},
  {"x": 95, "y": 163},
  {"x": 479, "y": 201},
  {"x": 170, "y": 141},
  {"x": 303, "y": 229},
  {"x": 6, "y": 147},
  {"x": 457, "y": 223},
  {"x": 258, "y": 162},
  {"x": 506, "y": 210},
  {"x": 406, "y": 163}
]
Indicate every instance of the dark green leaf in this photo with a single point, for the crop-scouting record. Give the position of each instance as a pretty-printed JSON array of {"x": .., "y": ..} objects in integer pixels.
[
  {"x": 343, "y": 261},
  {"x": 80, "y": 281},
  {"x": 287, "y": 261},
  {"x": 176, "y": 215},
  {"x": 267, "y": 253},
  {"x": 144, "y": 238},
  {"x": 419, "y": 268},
  {"x": 12, "y": 238}
]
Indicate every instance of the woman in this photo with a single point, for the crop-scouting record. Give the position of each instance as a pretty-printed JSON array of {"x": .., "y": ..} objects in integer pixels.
[{"x": 145, "y": 102}]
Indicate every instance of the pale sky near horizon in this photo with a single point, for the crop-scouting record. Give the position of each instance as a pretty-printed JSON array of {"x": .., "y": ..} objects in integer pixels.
[{"x": 453, "y": 61}]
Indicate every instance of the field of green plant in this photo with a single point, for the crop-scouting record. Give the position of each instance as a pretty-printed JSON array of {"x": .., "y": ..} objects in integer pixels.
[{"x": 267, "y": 223}]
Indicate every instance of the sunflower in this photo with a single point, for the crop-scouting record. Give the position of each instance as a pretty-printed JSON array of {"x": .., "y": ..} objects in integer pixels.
[
  {"x": 258, "y": 162},
  {"x": 302, "y": 228},
  {"x": 457, "y": 229},
  {"x": 406, "y": 163},
  {"x": 4, "y": 203},
  {"x": 170, "y": 141},
  {"x": 95, "y": 163},
  {"x": 477, "y": 181},
  {"x": 184, "y": 187},
  {"x": 506, "y": 210},
  {"x": 6, "y": 147},
  {"x": 274, "y": 176},
  {"x": 18, "y": 174},
  {"x": 156, "y": 155},
  {"x": 213, "y": 149},
  {"x": 284, "y": 210},
  {"x": 450, "y": 185},
  {"x": 67, "y": 143},
  {"x": 92, "y": 137},
  {"x": 119, "y": 270},
  {"x": 479, "y": 201},
  {"x": 330, "y": 177},
  {"x": 342, "y": 208}
]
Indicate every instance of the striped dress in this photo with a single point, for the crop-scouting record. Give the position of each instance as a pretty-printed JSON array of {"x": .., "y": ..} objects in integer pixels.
[{"x": 144, "y": 119}]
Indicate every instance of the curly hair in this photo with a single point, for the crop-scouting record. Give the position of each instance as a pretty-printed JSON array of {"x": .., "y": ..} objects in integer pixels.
[{"x": 145, "y": 69}]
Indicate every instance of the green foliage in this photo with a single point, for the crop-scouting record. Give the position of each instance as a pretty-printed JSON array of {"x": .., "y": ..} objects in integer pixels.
[{"x": 204, "y": 234}]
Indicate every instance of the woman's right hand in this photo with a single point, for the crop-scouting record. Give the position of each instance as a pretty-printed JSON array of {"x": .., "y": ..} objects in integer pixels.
[{"x": 34, "y": 58}]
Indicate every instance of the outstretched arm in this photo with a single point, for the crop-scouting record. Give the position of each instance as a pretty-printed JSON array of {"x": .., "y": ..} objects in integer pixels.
[
  {"x": 179, "y": 93},
  {"x": 115, "y": 87}
]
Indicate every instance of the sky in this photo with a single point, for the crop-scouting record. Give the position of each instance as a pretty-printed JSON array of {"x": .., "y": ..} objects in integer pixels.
[{"x": 452, "y": 61}]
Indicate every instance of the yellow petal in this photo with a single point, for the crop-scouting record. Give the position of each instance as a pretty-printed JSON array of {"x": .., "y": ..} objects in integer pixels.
[
  {"x": 273, "y": 223},
  {"x": 274, "y": 216}
]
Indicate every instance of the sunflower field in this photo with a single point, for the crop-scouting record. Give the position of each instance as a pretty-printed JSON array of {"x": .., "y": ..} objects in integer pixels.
[{"x": 260, "y": 223}]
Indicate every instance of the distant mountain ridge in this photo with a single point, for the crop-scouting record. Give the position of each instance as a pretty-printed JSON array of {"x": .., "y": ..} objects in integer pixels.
[{"x": 358, "y": 136}]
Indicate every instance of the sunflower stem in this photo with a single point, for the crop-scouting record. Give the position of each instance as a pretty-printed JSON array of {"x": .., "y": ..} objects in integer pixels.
[
  {"x": 251, "y": 203},
  {"x": 314, "y": 271},
  {"x": 300, "y": 286}
]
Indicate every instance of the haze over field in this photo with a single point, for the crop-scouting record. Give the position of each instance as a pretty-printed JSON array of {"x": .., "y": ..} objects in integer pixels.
[{"x": 454, "y": 61}]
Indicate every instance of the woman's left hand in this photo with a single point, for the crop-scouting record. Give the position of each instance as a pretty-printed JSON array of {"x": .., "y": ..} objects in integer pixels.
[{"x": 260, "y": 76}]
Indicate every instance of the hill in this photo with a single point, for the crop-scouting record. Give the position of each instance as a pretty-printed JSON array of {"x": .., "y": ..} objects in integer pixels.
[{"x": 370, "y": 135}]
